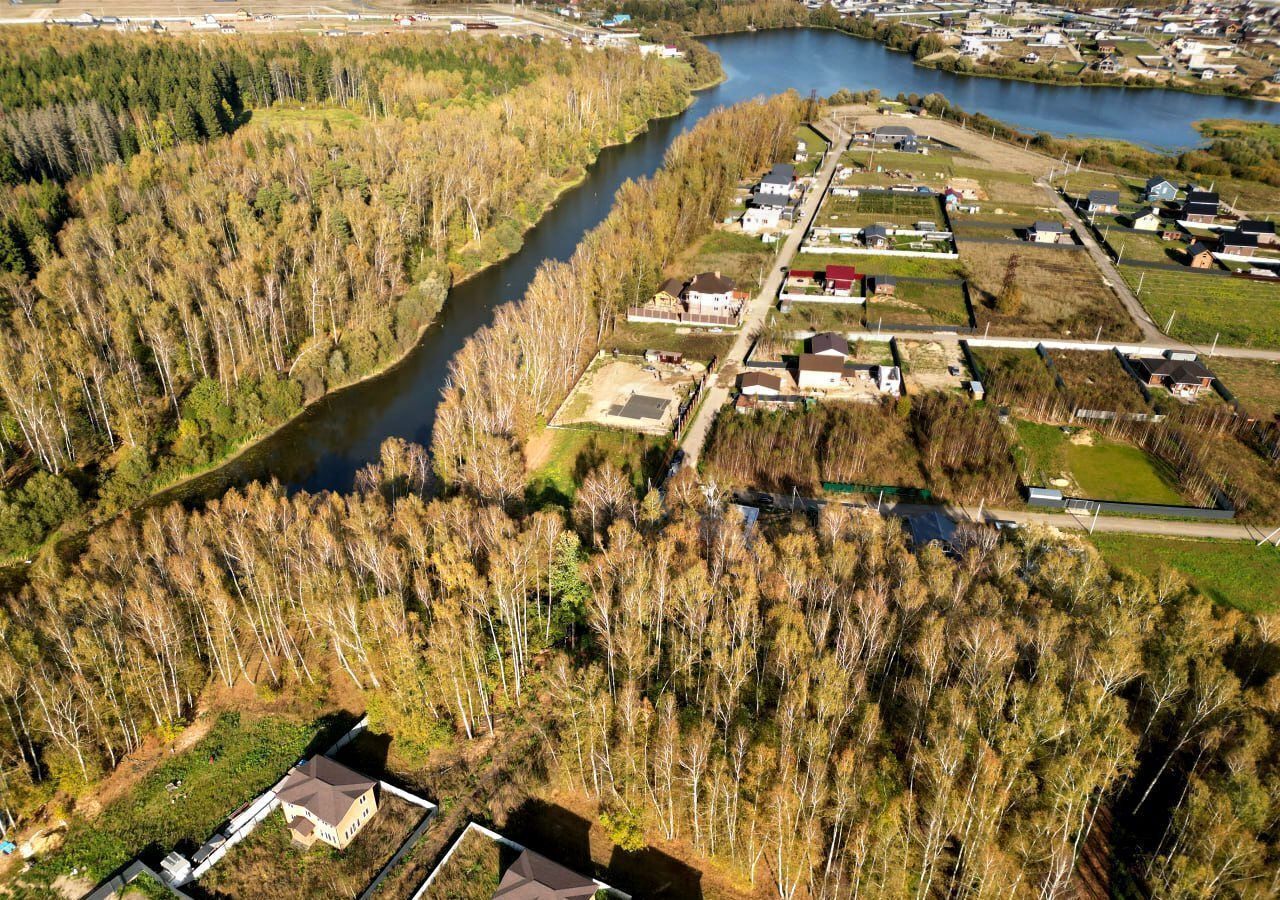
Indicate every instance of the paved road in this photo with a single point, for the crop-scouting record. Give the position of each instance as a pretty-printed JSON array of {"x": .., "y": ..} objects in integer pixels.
[
  {"x": 1065, "y": 521},
  {"x": 718, "y": 393}
]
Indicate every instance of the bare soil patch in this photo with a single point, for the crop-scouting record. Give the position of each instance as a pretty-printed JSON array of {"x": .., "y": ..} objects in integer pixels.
[{"x": 610, "y": 383}]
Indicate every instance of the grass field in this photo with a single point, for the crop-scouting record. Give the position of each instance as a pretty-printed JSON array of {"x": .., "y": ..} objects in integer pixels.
[
  {"x": 743, "y": 257},
  {"x": 1233, "y": 573},
  {"x": 902, "y": 209},
  {"x": 1133, "y": 245},
  {"x": 564, "y": 456},
  {"x": 695, "y": 343},
  {"x": 233, "y": 763},
  {"x": 1097, "y": 467},
  {"x": 1242, "y": 313},
  {"x": 291, "y": 118},
  {"x": 1254, "y": 382},
  {"x": 917, "y": 303},
  {"x": 815, "y": 145},
  {"x": 266, "y": 857},
  {"x": 881, "y": 265},
  {"x": 1110, "y": 470},
  {"x": 1062, "y": 292},
  {"x": 473, "y": 871},
  {"x": 822, "y": 317}
]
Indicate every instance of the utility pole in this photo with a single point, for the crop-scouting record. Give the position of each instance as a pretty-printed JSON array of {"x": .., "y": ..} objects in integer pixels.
[
  {"x": 1141, "y": 276},
  {"x": 1214, "y": 348},
  {"x": 1169, "y": 325},
  {"x": 1096, "y": 508}
]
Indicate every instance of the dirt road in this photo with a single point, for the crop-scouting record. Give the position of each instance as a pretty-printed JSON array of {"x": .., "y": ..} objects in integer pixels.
[{"x": 717, "y": 395}]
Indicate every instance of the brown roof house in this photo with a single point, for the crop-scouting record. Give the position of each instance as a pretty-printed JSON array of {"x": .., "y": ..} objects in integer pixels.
[
  {"x": 711, "y": 293},
  {"x": 534, "y": 877},
  {"x": 1184, "y": 378},
  {"x": 1199, "y": 256},
  {"x": 324, "y": 800},
  {"x": 819, "y": 370}
]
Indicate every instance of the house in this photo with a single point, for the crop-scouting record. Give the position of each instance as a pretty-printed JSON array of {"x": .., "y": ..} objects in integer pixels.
[
  {"x": 816, "y": 370},
  {"x": 1031, "y": 58},
  {"x": 1046, "y": 232},
  {"x": 1184, "y": 378},
  {"x": 761, "y": 218},
  {"x": 324, "y": 800},
  {"x": 710, "y": 292},
  {"x": 670, "y": 295},
  {"x": 1148, "y": 220},
  {"x": 759, "y": 384},
  {"x": 1109, "y": 65},
  {"x": 892, "y": 134},
  {"x": 889, "y": 380},
  {"x": 828, "y": 343},
  {"x": 1104, "y": 201},
  {"x": 1200, "y": 206},
  {"x": 1265, "y": 232},
  {"x": 875, "y": 237},
  {"x": 1238, "y": 243},
  {"x": 884, "y": 285},
  {"x": 778, "y": 180},
  {"x": 1199, "y": 256},
  {"x": 1160, "y": 190},
  {"x": 534, "y": 877},
  {"x": 841, "y": 281},
  {"x": 971, "y": 45},
  {"x": 951, "y": 198},
  {"x": 931, "y": 528},
  {"x": 908, "y": 144}
]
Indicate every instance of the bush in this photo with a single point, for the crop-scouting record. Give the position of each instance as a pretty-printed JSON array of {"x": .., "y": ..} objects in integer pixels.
[{"x": 28, "y": 515}]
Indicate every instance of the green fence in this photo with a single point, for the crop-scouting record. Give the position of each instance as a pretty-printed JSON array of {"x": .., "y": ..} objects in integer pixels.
[{"x": 919, "y": 495}]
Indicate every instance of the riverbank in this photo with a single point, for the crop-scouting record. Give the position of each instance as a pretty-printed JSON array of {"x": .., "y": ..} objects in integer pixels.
[{"x": 67, "y": 543}]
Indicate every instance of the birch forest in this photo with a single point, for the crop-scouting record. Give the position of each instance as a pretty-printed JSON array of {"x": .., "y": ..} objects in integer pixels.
[
  {"x": 816, "y": 710},
  {"x": 198, "y": 239}
]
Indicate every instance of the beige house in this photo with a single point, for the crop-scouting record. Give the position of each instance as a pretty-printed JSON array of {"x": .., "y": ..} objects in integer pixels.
[{"x": 324, "y": 800}]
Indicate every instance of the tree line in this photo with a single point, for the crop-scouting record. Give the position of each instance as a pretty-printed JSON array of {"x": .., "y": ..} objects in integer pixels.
[
  {"x": 160, "y": 311},
  {"x": 815, "y": 709},
  {"x": 510, "y": 376}
]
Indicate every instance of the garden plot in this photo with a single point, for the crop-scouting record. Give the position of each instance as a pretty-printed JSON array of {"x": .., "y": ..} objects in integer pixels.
[
  {"x": 629, "y": 393},
  {"x": 1061, "y": 292},
  {"x": 933, "y": 366},
  {"x": 1082, "y": 462},
  {"x": 902, "y": 209},
  {"x": 919, "y": 303}
]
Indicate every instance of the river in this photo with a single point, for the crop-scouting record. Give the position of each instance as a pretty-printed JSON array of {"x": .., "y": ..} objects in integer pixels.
[{"x": 324, "y": 448}]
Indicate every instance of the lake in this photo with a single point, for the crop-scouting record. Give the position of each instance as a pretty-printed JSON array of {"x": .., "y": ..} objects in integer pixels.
[{"x": 331, "y": 441}]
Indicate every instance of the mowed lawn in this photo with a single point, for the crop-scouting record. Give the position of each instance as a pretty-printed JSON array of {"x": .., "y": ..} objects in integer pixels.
[
  {"x": 1109, "y": 470},
  {"x": 1233, "y": 573},
  {"x": 562, "y": 457},
  {"x": 1239, "y": 312}
]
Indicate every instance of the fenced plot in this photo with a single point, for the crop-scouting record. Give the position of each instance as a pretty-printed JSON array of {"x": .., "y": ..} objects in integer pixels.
[
  {"x": 628, "y": 393},
  {"x": 903, "y": 209},
  {"x": 1085, "y": 462},
  {"x": 920, "y": 303},
  {"x": 1097, "y": 380},
  {"x": 1237, "y": 311}
]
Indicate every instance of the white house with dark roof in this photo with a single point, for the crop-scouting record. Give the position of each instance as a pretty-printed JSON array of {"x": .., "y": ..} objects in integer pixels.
[
  {"x": 779, "y": 179},
  {"x": 711, "y": 292}
]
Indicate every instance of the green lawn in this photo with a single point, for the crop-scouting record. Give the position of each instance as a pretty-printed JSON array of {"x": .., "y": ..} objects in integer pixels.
[
  {"x": 1109, "y": 470},
  {"x": 234, "y": 763},
  {"x": 1242, "y": 313},
  {"x": 815, "y": 145},
  {"x": 1254, "y": 382},
  {"x": 573, "y": 452},
  {"x": 916, "y": 303},
  {"x": 285, "y": 118},
  {"x": 880, "y": 265},
  {"x": 1234, "y": 573},
  {"x": 1102, "y": 470}
]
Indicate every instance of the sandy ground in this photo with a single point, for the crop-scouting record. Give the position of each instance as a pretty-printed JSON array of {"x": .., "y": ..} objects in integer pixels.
[
  {"x": 927, "y": 363},
  {"x": 610, "y": 382},
  {"x": 996, "y": 155}
]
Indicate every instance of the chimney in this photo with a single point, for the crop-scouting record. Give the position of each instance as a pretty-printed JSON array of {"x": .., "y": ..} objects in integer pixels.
[{"x": 717, "y": 273}]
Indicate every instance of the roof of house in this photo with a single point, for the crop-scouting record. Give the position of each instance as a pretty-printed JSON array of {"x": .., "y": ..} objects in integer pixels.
[
  {"x": 324, "y": 788},
  {"x": 801, "y": 273},
  {"x": 1156, "y": 181},
  {"x": 302, "y": 825},
  {"x": 814, "y": 362},
  {"x": 1252, "y": 226},
  {"x": 711, "y": 283},
  {"x": 1146, "y": 214},
  {"x": 1238, "y": 239},
  {"x": 930, "y": 527},
  {"x": 829, "y": 340},
  {"x": 1109, "y": 198},
  {"x": 781, "y": 173},
  {"x": 895, "y": 131},
  {"x": 760, "y": 198},
  {"x": 760, "y": 379},
  {"x": 885, "y": 279},
  {"x": 841, "y": 273},
  {"x": 534, "y": 877},
  {"x": 1199, "y": 209},
  {"x": 1202, "y": 197},
  {"x": 672, "y": 286},
  {"x": 1179, "y": 371},
  {"x": 1196, "y": 249},
  {"x": 1047, "y": 226},
  {"x": 875, "y": 230}
]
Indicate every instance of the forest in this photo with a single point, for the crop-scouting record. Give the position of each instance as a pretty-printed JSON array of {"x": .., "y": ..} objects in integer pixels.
[
  {"x": 812, "y": 708},
  {"x": 176, "y": 284}
]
